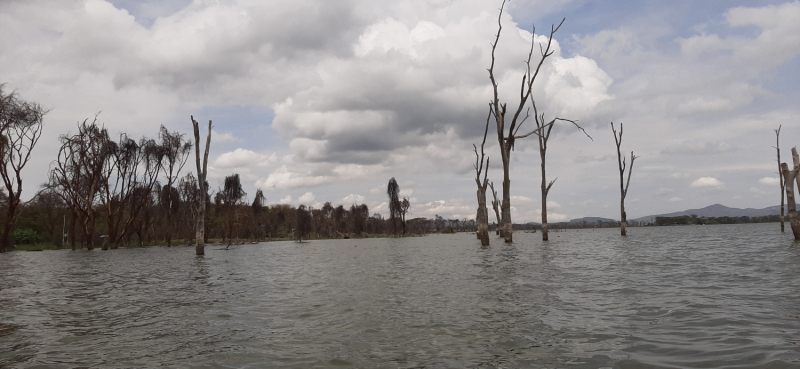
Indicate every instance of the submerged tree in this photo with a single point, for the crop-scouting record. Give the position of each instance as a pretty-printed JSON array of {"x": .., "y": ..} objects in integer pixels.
[
  {"x": 393, "y": 191},
  {"x": 78, "y": 174},
  {"x": 258, "y": 207},
  {"x": 507, "y": 138},
  {"x": 780, "y": 172},
  {"x": 302, "y": 223},
  {"x": 790, "y": 176},
  {"x": 231, "y": 196},
  {"x": 404, "y": 205},
  {"x": 623, "y": 186},
  {"x": 203, "y": 186},
  {"x": 482, "y": 217},
  {"x": 544, "y": 136},
  {"x": 20, "y": 130},
  {"x": 175, "y": 153}
]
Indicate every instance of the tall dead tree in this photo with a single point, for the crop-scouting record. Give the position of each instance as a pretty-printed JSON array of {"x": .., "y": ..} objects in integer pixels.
[
  {"x": 623, "y": 186},
  {"x": 202, "y": 184},
  {"x": 790, "y": 177},
  {"x": 544, "y": 136},
  {"x": 506, "y": 137},
  {"x": 482, "y": 217},
  {"x": 20, "y": 129},
  {"x": 780, "y": 172}
]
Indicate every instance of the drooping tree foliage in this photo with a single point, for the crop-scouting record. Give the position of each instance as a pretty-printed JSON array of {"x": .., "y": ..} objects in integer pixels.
[
  {"x": 78, "y": 174},
  {"x": 20, "y": 130},
  {"x": 230, "y": 197},
  {"x": 302, "y": 223},
  {"x": 404, "y": 205},
  {"x": 393, "y": 191},
  {"x": 258, "y": 208}
]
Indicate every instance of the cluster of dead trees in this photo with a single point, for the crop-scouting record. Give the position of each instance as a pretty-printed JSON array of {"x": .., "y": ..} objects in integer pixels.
[
  {"x": 121, "y": 180},
  {"x": 228, "y": 219},
  {"x": 508, "y": 124},
  {"x": 106, "y": 192}
]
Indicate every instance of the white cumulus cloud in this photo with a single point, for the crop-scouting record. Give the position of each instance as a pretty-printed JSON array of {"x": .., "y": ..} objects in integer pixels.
[
  {"x": 707, "y": 182},
  {"x": 769, "y": 181},
  {"x": 306, "y": 198}
]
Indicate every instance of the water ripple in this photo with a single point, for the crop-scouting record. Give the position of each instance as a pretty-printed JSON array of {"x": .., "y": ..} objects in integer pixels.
[{"x": 671, "y": 297}]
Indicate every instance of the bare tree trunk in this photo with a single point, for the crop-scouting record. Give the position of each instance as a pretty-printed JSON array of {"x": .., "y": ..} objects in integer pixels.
[
  {"x": 623, "y": 187},
  {"x": 7, "y": 243},
  {"x": 482, "y": 217},
  {"x": 505, "y": 207},
  {"x": 201, "y": 183},
  {"x": 72, "y": 222},
  {"x": 496, "y": 207},
  {"x": 545, "y": 191},
  {"x": 780, "y": 172},
  {"x": 790, "y": 176}
]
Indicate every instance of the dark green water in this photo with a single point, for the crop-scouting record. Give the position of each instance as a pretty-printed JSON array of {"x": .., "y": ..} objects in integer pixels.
[{"x": 670, "y": 297}]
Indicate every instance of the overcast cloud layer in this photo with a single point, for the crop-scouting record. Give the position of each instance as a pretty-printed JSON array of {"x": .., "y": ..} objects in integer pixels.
[{"x": 317, "y": 101}]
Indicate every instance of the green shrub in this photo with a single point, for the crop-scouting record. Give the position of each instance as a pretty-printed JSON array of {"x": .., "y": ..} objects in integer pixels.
[{"x": 26, "y": 236}]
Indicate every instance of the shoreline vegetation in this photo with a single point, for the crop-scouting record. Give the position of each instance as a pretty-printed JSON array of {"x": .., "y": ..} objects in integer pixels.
[{"x": 469, "y": 227}]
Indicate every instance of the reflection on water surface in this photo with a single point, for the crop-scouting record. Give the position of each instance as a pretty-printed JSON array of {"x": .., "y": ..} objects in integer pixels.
[{"x": 716, "y": 296}]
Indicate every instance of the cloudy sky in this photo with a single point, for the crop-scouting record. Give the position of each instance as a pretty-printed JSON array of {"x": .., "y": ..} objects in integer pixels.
[{"x": 323, "y": 100}]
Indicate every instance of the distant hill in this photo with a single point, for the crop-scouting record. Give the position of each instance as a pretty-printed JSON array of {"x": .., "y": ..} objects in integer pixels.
[
  {"x": 717, "y": 210},
  {"x": 592, "y": 220}
]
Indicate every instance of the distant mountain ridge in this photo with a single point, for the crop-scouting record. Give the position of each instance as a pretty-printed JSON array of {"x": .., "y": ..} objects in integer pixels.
[
  {"x": 717, "y": 210},
  {"x": 592, "y": 220}
]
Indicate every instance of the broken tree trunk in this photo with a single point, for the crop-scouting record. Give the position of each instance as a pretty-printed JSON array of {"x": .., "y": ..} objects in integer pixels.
[
  {"x": 201, "y": 184},
  {"x": 780, "y": 173},
  {"x": 790, "y": 177}
]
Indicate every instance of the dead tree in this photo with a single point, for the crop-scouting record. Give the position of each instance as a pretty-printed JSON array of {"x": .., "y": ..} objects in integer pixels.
[
  {"x": 543, "y": 133},
  {"x": 790, "y": 177},
  {"x": 780, "y": 172},
  {"x": 20, "y": 130},
  {"x": 623, "y": 186},
  {"x": 482, "y": 217},
  {"x": 506, "y": 138},
  {"x": 202, "y": 184}
]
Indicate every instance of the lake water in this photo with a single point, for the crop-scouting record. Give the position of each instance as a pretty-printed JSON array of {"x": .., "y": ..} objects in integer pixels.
[{"x": 670, "y": 297}]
